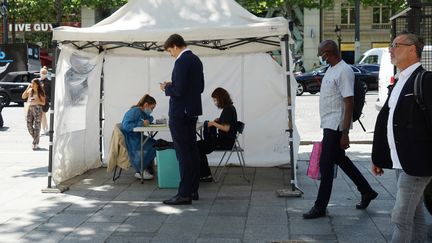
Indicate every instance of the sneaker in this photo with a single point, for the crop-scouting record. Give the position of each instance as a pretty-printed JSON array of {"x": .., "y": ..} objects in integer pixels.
[{"x": 146, "y": 175}]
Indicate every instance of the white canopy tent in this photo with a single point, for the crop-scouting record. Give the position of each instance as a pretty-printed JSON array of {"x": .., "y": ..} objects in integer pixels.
[{"x": 109, "y": 66}]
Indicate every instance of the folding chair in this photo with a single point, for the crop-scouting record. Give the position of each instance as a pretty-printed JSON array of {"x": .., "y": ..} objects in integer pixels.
[{"x": 235, "y": 148}]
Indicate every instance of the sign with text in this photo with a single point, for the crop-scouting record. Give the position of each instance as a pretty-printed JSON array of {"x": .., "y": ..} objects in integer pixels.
[{"x": 38, "y": 27}]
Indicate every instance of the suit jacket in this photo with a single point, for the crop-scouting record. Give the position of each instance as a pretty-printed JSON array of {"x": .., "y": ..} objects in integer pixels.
[
  {"x": 412, "y": 131},
  {"x": 186, "y": 87}
]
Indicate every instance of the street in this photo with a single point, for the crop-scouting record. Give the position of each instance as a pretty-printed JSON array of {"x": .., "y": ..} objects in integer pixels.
[{"x": 308, "y": 121}]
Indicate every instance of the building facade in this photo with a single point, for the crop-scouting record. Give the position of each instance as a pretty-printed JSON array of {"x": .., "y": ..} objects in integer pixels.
[{"x": 375, "y": 29}]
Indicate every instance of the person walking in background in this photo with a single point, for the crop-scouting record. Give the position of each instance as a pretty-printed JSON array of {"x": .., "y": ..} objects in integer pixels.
[
  {"x": 184, "y": 90},
  {"x": 226, "y": 125},
  {"x": 137, "y": 116},
  {"x": 35, "y": 96},
  {"x": 403, "y": 140},
  {"x": 336, "y": 109},
  {"x": 45, "y": 82}
]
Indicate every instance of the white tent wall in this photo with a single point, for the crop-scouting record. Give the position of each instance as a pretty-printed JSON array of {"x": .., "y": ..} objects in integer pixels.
[
  {"x": 76, "y": 124},
  {"x": 255, "y": 81},
  {"x": 221, "y": 32}
]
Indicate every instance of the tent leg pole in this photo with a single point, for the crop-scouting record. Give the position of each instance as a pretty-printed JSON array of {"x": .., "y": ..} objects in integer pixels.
[
  {"x": 49, "y": 188},
  {"x": 101, "y": 114},
  {"x": 294, "y": 191}
]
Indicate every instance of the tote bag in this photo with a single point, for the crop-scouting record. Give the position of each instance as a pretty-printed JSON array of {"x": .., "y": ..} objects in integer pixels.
[{"x": 313, "y": 170}]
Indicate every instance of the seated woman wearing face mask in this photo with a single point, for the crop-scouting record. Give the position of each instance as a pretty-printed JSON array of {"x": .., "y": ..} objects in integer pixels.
[
  {"x": 138, "y": 116},
  {"x": 224, "y": 137}
]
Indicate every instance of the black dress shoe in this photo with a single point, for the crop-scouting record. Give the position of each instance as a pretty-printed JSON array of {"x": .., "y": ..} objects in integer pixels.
[
  {"x": 195, "y": 196},
  {"x": 366, "y": 199},
  {"x": 314, "y": 213},
  {"x": 206, "y": 179},
  {"x": 178, "y": 200}
]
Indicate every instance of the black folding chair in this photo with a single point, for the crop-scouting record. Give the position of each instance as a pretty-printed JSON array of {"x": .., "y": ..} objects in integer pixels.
[{"x": 235, "y": 148}]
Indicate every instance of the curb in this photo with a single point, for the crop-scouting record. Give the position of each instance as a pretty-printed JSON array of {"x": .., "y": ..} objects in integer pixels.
[{"x": 351, "y": 142}]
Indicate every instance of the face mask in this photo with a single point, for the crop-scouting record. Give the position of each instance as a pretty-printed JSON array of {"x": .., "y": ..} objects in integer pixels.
[
  {"x": 322, "y": 61},
  {"x": 43, "y": 76},
  {"x": 148, "y": 111}
]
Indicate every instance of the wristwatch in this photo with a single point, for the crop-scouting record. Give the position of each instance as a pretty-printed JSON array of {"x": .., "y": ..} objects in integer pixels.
[{"x": 345, "y": 131}]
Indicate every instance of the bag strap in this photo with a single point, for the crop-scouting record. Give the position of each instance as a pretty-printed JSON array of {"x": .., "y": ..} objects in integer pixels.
[
  {"x": 418, "y": 89},
  {"x": 418, "y": 95}
]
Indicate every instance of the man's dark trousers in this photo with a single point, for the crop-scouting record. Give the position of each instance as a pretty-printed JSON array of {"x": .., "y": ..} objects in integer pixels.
[
  {"x": 332, "y": 153},
  {"x": 183, "y": 132}
]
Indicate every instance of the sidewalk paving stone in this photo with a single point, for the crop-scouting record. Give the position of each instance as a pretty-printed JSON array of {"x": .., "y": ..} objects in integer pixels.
[{"x": 96, "y": 209}]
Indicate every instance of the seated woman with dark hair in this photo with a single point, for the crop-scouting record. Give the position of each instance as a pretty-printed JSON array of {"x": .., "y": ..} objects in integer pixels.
[
  {"x": 224, "y": 137},
  {"x": 138, "y": 116}
]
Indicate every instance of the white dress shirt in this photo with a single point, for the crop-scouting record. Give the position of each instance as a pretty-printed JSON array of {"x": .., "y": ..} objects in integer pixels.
[
  {"x": 337, "y": 84},
  {"x": 394, "y": 97}
]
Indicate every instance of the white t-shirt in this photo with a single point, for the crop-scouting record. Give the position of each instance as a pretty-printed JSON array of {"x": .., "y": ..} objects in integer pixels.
[{"x": 337, "y": 84}]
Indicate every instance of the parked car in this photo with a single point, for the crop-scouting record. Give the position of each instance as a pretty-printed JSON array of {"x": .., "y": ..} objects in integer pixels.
[
  {"x": 13, "y": 85},
  {"x": 311, "y": 81},
  {"x": 373, "y": 68}
]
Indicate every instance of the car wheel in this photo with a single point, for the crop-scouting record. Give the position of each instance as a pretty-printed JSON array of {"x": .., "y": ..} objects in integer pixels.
[
  {"x": 313, "y": 92},
  {"x": 300, "y": 89},
  {"x": 4, "y": 99},
  {"x": 365, "y": 87},
  {"x": 20, "y": 104},
  {"x": 428, "y": 197}
]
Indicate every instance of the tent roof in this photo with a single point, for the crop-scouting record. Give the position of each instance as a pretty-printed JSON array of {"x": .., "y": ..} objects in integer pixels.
[{"x": 195, "y": 20}]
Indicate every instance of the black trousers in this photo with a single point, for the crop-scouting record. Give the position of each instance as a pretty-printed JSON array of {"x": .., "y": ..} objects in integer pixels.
[
  {"x": 183, "y": 132},
  {"x": 207, "y": 146},
  {"x": 211, "y": 142},
  {"x": 332, "y": 153}
]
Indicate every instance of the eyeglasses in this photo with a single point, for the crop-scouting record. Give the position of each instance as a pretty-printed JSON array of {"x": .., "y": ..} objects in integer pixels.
[{"x": 397, "y": 45}]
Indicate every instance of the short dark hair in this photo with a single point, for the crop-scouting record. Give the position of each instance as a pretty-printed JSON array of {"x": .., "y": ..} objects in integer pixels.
[
  {"x": 414, "y": 40},
  {"x": 329, "y": 46},
  {"x": 174, "y": 40},
  {"x": 222, "y": 96}
]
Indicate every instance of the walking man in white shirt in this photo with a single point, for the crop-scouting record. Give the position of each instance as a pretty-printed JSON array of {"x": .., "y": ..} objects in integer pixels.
[
  {"x": 403, "y": 140},
  {"x": 336, "y": 109}
]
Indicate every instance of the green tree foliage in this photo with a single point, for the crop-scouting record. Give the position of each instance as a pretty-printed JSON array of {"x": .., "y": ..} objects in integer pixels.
[
  {"x": 104, "y": 4},
  {"x": 281, "y": 7},
  {"x": 44, "y": 10}
]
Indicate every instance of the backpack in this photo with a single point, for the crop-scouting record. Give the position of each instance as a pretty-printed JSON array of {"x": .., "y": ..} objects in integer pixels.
[
  {"x": 418, "y": 89},
  {"x": 359, "y": 101},
  {"x": 418, "y": 92}
]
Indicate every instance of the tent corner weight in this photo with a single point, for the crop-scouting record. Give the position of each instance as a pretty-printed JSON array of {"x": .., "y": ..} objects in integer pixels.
[
  {"x": 295, "y": 192},
  {"x": 58, "y": 189}
]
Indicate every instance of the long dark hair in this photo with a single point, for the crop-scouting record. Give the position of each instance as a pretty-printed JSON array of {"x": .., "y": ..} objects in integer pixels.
[
  {"x": 222, "y": 97},
  {"x": 40, "y": 91},
  {"x": 145, "y": 99}
]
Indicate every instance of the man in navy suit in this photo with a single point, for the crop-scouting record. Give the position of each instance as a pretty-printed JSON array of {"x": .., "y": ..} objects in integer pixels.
[
  {"x": 403, "y": 140},
  {"x": 185, "y": 88}
]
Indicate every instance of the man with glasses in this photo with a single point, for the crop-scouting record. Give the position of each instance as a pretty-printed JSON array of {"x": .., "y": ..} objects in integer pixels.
[
  {"x": 403, "y": 140},
  {"x": 336, "y": 111}
]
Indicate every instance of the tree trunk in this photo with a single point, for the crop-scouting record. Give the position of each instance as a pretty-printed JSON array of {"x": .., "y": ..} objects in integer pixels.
[
  {"x": 59, "y": 12},
  {"x": 12, "y": 3}
]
